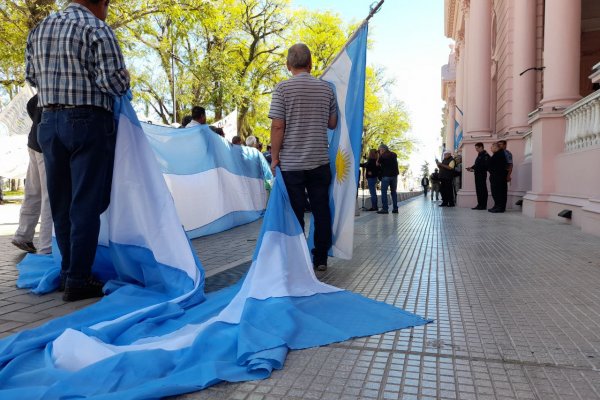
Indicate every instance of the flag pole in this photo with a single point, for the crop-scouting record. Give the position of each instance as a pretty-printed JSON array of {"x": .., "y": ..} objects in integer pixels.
[{"x": 373, "y": 10}]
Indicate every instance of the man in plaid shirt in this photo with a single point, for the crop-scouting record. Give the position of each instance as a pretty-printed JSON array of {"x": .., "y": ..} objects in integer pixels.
[{"x": 74, "y": 60}]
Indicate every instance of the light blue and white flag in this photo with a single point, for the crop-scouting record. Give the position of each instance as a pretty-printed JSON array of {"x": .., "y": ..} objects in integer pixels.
[
  {"x": 347, "y": 75},
  {"x": 157, "y": 349},
  {"x": 216, "y": 185},
  {"x": 458, "y": 129}
]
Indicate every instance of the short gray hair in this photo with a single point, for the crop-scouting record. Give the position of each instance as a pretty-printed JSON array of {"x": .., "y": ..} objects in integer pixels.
[
  {"x": 299, "y": 56},
  {"x": 251, "y": 141}
]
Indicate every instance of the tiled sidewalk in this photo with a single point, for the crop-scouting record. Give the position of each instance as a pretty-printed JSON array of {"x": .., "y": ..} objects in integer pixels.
[{"x": 516, "y": 304}]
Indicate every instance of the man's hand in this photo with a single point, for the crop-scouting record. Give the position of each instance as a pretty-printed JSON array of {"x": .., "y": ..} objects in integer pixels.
[
  {"x": 508, "y": 178},
  {"x": 469, "y": 169},
  {"x": 274, "y": 163}
]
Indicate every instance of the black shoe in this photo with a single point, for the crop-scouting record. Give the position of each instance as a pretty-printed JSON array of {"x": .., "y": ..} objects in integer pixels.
[
  {"x": 395, "y": 211},
  {"x": 25, "y": 246},
  {"x": 443, "y": 205},
  {"x": 382, "y": 212},
  {"x": 492, "y": 209},
  {"x": 475, "y": 208},
  {"x": 495, "y": 210},
  {"x": 450, "y": 205},
  {"x": 91, "y": 289},
  {"x": 372, "y": 209},
  {"x": 320, "y": 267}
]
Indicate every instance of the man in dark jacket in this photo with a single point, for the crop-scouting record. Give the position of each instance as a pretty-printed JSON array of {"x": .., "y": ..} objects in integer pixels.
[
  {"x": 388, "y": 161},
  {"x": 425, "y": 184},
  {"x": 435, "y": 184},
  {"x": 498, "y": 173},
  {"x": 446, "y": 167},
  {"x": 480, "y": 169}
]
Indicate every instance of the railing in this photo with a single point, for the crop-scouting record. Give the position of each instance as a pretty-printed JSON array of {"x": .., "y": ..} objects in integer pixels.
[
  {"x": 583, "y": 123},
  {"x": 528, "y": 145}
]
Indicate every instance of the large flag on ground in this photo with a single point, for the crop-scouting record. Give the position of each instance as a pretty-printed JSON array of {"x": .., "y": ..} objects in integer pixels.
[
  {"x": 157, "y": 334},
  {"x": 216, "y": 185},
  {"x": 347, "y": 75}
]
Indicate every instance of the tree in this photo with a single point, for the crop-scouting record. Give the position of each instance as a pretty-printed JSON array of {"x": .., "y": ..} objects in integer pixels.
[{"x": 425, "y": 168}]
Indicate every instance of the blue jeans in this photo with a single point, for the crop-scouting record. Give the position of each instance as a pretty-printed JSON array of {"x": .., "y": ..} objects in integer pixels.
[
  {"x": 316, "y": 183},
  {"x": 373, "y": 191},
  {"x": 79, "y": 148},
  {"x": 392, "y": 182}
]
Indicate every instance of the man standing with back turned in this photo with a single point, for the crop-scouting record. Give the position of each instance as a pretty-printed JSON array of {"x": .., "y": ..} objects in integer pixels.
[
  {"x": 74, "y": 60},
  {"x": 302, "y": 108}
]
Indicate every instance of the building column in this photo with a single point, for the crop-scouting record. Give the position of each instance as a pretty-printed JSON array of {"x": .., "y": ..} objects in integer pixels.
[
  {"x": 523, "y": 93},
  {"x": 524, "y": 57},
  {"x": 479, "y": 49},
  {"x": 460, "y": 84},
  {"x": 477, "y": 96},
  {"x": 562, "y": 48}
]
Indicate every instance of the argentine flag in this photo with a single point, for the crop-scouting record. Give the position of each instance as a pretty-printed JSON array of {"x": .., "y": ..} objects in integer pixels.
[
  {"x": 204, "y": 172},
  {"x": 458, "y": 128},
  {"x": 347, "y": 75},
  {"x": 157, "y": 333}
]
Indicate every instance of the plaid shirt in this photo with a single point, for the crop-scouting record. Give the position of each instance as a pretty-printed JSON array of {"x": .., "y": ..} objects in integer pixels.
[{"x": 73, "y": 58}]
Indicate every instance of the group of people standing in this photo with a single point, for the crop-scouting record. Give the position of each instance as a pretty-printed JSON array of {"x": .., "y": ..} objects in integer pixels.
[
  {"x": 499, "y": 166},
  {"x": 382, "y": 165}
]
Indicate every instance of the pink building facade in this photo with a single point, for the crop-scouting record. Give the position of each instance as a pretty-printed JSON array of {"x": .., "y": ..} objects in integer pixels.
[{"x": 527, "y": 71}]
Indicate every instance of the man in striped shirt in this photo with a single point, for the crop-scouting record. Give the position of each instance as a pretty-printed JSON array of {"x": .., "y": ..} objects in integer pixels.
[
  {"x": 74, "y": 60},
  {"x": 302, "y": 108}
]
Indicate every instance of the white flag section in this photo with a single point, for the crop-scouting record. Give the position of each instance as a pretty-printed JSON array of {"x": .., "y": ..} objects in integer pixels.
[
  {"x": 157, "y": 333},
  {"x": 15, "y": 125},
  {"x": 229, "y": 125},
  {"x": 347, "y": 75},
  {"x": 216, "y": 185}
]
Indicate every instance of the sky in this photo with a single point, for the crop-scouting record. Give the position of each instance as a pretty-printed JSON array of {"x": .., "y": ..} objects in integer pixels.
[{"x": 408, "y": 41}]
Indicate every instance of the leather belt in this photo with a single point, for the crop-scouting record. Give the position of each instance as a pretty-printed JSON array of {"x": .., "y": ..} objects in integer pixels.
[{"x": 58, "y": 107}]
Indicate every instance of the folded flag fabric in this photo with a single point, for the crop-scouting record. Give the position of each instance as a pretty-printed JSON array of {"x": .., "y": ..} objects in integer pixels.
[{"x": 157, "y": 333}]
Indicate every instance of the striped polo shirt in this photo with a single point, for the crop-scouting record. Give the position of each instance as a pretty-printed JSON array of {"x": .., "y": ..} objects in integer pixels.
[{"x": 305, "y": 104}]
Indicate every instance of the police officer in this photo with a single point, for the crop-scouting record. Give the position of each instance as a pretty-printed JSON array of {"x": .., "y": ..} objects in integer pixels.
[{"x": 480, "y": 171}]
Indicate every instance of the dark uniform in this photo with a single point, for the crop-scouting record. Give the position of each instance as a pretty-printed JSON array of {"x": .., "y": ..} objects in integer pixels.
[
  {"x": 480, "y": 169},
  {"x": 446, "y": 179},
  {"x": 498, "y": 173}
]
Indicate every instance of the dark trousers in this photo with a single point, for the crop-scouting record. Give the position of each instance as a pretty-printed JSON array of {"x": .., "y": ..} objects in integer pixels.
[
  {"x": 316, "y": 183},
  {"x": 499, "y": 188},
  {"x": 447, "y": 191},
  {"x": 481, "y": 190},
  {"x": 79, "y": 147},
  {"x": 425, "y": 190}
]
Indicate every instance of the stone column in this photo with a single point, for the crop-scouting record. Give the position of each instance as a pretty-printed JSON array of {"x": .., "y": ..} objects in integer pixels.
[
  {"x": 479, "y": 62},
  {"x": 562, "y": 47},
  {"x": 460, "y": 82},
  {"x": 476, "y": 92},
  {"x": 524, "y": 57}
]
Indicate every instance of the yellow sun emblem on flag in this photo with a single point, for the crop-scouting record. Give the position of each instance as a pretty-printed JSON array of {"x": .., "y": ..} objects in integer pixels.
[{"x": 342, "y": 166}]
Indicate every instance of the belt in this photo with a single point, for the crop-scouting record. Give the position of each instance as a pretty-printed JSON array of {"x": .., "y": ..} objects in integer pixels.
[{"x": 58, "y": 107}]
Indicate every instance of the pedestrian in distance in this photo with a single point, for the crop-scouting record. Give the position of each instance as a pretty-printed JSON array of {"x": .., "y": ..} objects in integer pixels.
[
  {"x": 372, "y": 171},
  {"x": 74, "y": 60},
  {"x": 434, "y": 178},
  {"x": 388, "y": 162},
  {"x": 446, "y": 167},
  {"x": 479, "y": 169},
  {"x": 302, "y": 109},
  {"x": 425, "y": 185}
]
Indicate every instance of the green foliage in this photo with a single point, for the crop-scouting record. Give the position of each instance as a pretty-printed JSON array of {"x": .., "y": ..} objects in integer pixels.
[
  {"x": 223, "y": 55},
  {"x": 425, "y": 169}
]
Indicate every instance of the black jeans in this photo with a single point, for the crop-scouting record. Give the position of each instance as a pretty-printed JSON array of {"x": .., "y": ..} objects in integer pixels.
[
  {"x": 499, "y": 188},
  {"x": 447, "y": 191},
  {"x": 316, "y": 183},
  {"x": 79, "y": 148},
  {"x": 481, "y": 190}
]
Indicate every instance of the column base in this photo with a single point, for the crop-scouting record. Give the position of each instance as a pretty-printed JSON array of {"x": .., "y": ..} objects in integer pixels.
[
  {"x": 466, "y": 198},
  {"x": 535, "y": 205}
]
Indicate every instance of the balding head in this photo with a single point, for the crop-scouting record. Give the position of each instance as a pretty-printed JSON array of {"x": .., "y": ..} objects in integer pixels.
[{"x": 299, "y": 57}]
